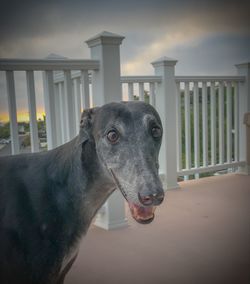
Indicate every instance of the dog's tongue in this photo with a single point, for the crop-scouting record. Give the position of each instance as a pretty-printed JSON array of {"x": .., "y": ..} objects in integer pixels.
[{"x": 143, "y": 215}]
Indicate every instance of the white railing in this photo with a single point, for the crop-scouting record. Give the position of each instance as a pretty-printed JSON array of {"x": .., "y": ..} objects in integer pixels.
[
  {"x": 202, "y": 116},
  {"x": 62, "y": 97},
  {"x": 72, "y": 94},
  {"x": 62, "y": 102},
  {"x": 140, "y": 88},
  {"x": 207, "y": 123},
  {"x": 133, "y": 87}
]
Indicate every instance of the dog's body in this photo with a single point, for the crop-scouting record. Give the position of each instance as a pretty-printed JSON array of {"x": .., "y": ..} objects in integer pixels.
[{"x": 48, "y": 199}]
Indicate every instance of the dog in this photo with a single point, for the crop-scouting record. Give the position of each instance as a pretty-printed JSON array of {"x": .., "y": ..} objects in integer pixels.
[{"x": 48, "y": 199}]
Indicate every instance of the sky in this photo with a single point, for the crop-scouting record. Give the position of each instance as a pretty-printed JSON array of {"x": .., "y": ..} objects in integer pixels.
[{"x": 206, "y": 37}]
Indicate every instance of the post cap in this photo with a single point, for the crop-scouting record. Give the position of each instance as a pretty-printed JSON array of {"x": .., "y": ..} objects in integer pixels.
[
  {"x": 164, "y": 61},
  {"x": 105, "y": 38}
]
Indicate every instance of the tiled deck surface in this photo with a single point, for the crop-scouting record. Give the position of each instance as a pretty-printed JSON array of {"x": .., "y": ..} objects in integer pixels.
[{"x": 201, "y": 234}]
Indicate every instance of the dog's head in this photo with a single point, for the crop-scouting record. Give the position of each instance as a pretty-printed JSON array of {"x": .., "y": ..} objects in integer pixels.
[{"x": 127, "y": 138}]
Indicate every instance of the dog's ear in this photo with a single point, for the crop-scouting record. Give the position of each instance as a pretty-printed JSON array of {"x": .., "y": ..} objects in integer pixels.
[{"x": 86, "y": 123}]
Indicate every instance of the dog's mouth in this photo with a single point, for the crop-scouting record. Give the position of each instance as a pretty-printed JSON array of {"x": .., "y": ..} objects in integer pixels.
[{"x": 142, "y": 214}]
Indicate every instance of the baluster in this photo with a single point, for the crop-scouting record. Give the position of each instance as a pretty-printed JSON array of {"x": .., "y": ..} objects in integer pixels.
[
  {"x": 69, "y": 106},
  {"x": 179, "y": 128},
  {"x": 59, "y": 138},
  {"x": 236, "y": 121},
  {"x": 152, "y": 93},
  {"x": 77, "y": 101},
  {"x": 213, "y": 123},
  {"x": 187, "y": 126},
  {"x": 221, "y": 122},
  {"x": 49, "y": 102},
  {"x": 130, "y": 92},
  {"x": 61, "y": 97},
  {"x": 229, "y": 122},
  {"x": 204, "y": 124},
  {"x": 85, "y": 89},
  {"x": 196, "y": 127},
  {"x": 32, "y": 111},
  {"x": 12, "y": 112},
  {"x": 141, "y": 91}
]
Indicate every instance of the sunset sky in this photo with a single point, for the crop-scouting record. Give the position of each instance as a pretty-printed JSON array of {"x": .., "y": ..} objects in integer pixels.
[{"x": 206, "y": 37}]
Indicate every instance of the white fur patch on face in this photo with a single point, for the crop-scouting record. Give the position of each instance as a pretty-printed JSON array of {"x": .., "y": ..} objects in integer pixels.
[{"x": 146, "y": 118}]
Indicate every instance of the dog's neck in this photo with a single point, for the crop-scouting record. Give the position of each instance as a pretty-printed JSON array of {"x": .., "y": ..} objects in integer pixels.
[
  {"x": 79, "y": 171},
  {"x": 99, "y": 182}
]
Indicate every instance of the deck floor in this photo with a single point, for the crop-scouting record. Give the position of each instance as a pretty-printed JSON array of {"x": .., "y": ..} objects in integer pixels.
[{"x": 201, "y": 234}]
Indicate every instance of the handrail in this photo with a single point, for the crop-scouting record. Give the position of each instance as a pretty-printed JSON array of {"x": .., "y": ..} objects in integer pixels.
[
  {"x": 58, "y": 77},
  {"x": 48, "y": 64},
  {"x": 210, "y": 168},
  {"x": 209, "y": 78},
  {"x": 141, "y": 79}
]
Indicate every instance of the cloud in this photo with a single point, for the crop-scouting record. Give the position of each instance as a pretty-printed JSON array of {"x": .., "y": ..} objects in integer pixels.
[
  {"x": 216, "y": 54},
  {"x": 31, "y": 19},
  {"x": 191, "y": 31},
  {"x": 207, "y": 37},
  {"x": 161, "y": 46},
  {"x": 152, "y": 27}
]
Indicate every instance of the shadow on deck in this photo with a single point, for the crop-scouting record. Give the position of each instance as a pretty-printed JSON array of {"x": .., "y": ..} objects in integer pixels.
[{"x": 201, "y": 234}]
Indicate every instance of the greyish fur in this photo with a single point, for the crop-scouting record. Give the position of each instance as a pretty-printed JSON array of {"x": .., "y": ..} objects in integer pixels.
[{"x": 48, "y": 199}]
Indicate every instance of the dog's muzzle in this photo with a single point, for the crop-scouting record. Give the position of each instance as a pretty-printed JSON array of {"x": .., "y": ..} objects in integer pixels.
[{"x": 144, "y": 213}]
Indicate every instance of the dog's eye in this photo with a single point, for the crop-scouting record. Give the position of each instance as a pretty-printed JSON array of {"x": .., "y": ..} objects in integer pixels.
[
  {"x": 113, "y": 136},
  {"x": 156, "y": 132}
]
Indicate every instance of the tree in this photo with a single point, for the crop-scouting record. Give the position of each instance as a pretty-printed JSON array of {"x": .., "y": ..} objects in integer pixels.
[{"x": 5, "y": 131}]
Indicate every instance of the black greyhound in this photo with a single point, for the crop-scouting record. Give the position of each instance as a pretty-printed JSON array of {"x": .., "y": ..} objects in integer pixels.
[{"x": 48, "y": 199}]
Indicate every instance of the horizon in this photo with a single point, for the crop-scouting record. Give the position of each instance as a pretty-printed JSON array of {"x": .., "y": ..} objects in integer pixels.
[{"x": 21, "y": 117}]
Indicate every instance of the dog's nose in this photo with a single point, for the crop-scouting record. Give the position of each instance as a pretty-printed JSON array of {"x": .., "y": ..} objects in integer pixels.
[{"x": 151, "y": 199}]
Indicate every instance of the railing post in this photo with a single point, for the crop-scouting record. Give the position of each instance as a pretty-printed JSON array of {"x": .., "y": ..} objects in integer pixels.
[
  {"x": 106, "y": 87},
  {"x": 244, "y": 107},
  {"x": 166, "y": 93}
]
